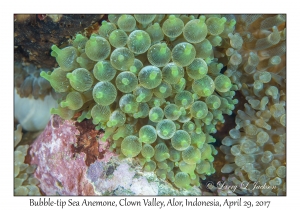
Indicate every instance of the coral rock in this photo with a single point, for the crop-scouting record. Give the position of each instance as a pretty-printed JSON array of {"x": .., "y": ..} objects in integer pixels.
[{"x": 62, "y": 172}]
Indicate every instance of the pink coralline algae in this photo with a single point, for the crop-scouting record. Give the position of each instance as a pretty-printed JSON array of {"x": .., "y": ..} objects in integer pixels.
[{"x": 61, "y": 165}]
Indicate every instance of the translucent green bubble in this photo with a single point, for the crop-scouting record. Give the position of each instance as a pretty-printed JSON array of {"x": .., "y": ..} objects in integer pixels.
[
  {"x": 180, "y": 86},
  {"x": 58, "y": 80},
  {"x": 156, "y": 114},
  {"x": 159, "y": 54},
  {"x": 131, "y": 146},
  {"x": 150, "y": 166},
  {"x": 171, "y": 165},
  {"x": 215, "y": 40},
  {"x": 147, "y": 151},
  {"x": 97, "y": 48},
  {"x": 81, "y": 79},
  {"x": 188, "y": 168},
  {"x": 182, "y": 180},
  {"x": 113, "y": 18},
  {"x": 172, "y": 111},
  {"x": 164, "y": 90},
  {"x": 143, "y": 111},
  {"x": 189, "y": 126},
  {"x": 156, "y": 102},
  {"x": 172, "y": 27},
  {"x": 215, "y": 26},
  {"x": 163, "y": 165},
  {"x": 204, "y": 49},
  {"x": 191, "y": 155},
  {"x": 185, "y": 116},
  {"x": 100, "y": 113},
  {"x": 155, "y": 32},
  {"x": 204, "y": 167},
  {"x": 128, "y": 103},
  {"x": 137, "y": 66},
  {"x": 142, "y": 94},
  {"x": 80, "y": 41},
  {"x": 165, "y": 129},
  {"x": 126, "y": 23},
  {"x": 198, "y": 139},
  {"x": 147, "y": 134},
  {"x": 183, "y": 54},
  {"x": 206, "y": 152},
  {"x": 161, "y": 173},
  {"x": 199, "y": 109},
  {"x": 222, "y": 83},
  {"x": 106, "y": 28},
  {"x": 204, "y": 87},
  {"x": 122, "y": 58},
  {"x": 184, "y": 99},
  {"x": 172, "y": 73},
  {"x": 158, "y": 18},
  {"x": 66, "y": 57},
  {"x": 215, "y": 68},
  {"x": 104, "y": 71},
  {"x": 229, "y": 27},
  {"x": 150, "y": 77},
  {"x": 117, "y": 118},
  {"x": 126, "y": 82},
  {"x": 85, "y": 62},
  {"x": 181, "y": 140},
  {"x": 138, "y": 41},
  {"x": 175, "y": 155},
  {"x": 195, "y": 30},
  {"x": 104, "y": 93},
  {"x": 197, "y": 69},
  {"x": 161, "y": 152},
  {"x": 208, "y": 119},
  {"x": 73, "y": 101},
  {"x": 213, "y": 102},
  {"x": 144, "y": 19},
  {"x": 118, "y": 38}
]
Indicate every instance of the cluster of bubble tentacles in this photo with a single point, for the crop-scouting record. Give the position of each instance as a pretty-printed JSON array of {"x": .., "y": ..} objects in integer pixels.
[
  {"x": 28, "y": 82},
  {"x": 154, "y": 84},
  {"x": 255, "y": 150},
  {"x": 25, "y": 182}
]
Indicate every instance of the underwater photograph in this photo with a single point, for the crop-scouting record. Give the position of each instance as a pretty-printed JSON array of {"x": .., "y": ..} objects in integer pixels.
[{"x": 149, "y": 104}]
